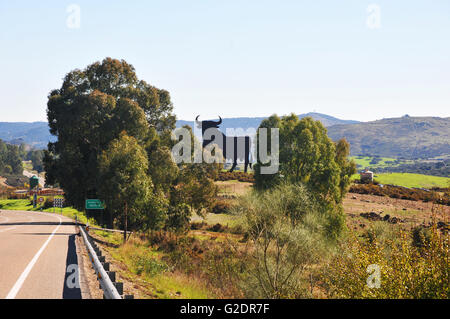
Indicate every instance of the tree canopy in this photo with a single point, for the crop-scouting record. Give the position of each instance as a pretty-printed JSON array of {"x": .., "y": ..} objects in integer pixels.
[
  {"x": 10, "y": 159},
  {"x": 113, "y": 137},
  {"x": 308, "y": 156}
]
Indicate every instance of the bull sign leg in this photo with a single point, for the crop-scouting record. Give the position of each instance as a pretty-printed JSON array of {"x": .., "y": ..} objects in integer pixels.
[{"x": 247, "y": 154}]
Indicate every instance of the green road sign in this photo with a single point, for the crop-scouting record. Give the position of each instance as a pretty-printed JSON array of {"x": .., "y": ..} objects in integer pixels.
[{"x": 94, "y": 204}]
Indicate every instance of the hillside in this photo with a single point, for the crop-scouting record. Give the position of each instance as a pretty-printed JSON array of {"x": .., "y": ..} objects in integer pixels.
[
  {"x": 35, "y": 134},
  {"x": 248, "y": 122},
  {"x": 408, "y": 137}
]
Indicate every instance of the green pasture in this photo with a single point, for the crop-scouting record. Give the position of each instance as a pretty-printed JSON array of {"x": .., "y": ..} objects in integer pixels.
[
  {"x": 410, "y": 180},
  {"x": 364, "y": 161}
]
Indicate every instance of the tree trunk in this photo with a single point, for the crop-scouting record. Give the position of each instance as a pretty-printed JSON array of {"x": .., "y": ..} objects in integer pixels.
[
  {"x": 125, "y": 225},
  {"x": 110, "y": 219}
]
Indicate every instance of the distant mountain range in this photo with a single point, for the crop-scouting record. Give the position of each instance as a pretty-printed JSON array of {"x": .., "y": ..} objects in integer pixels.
[
  {"x": 35, "y": 134},
  {"x": 248, "y": 122},
  {"x": 408, "y": 137}
]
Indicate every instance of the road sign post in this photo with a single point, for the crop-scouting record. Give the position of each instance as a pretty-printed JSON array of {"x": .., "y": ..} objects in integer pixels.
[{"x": 58, "y": 202}]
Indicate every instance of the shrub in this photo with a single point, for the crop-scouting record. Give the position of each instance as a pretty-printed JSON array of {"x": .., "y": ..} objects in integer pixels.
[
  {"x": 402, "y": 193},
  {"x": 288, "y": 238},
  {"x": 148, "y": 265},
  {"x": 240, "y": 176},
  {"x": 406, "y": 271},
  {"x": 198, "y": 225},
  {"x": 48, "y": 203},
  {"x": 421, "y": 236},
  {"x": 218, "y": 228},
  {"x": 221, "y": 207},
  {"x": 166, "y": 241}
]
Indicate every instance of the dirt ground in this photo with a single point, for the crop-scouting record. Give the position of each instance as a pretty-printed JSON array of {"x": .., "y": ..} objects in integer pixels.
[
  {"x": 409, "y": 213},
  {"x": 3, "y": 182},
  {"x": 233, "y": 187}
]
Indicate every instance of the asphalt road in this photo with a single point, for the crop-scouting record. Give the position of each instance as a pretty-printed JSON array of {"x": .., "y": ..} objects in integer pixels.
[{"x": 38, "y": 257}]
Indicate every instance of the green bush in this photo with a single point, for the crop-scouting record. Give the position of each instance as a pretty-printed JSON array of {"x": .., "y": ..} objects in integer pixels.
[
  {"x": 48, "y": 203},
  {"x": 288, "y": 237},
  {"x": 148, "y": 265}
]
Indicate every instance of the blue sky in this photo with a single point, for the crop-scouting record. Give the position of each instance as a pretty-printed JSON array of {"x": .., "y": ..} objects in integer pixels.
[{"x": 238, "y": 58}]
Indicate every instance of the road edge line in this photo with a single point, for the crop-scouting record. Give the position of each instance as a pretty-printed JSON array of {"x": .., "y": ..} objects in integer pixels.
[{"x": 15, "y": 289}]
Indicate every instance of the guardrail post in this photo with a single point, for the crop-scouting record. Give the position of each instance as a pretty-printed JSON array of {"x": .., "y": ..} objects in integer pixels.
[
  {"x": 119, "y": 287},
  {"x": 112, "y": 275}
]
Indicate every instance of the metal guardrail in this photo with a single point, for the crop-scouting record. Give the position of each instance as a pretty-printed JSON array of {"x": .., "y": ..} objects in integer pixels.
[
  {"x": 110, "y": 230},
  {"x": 107, "y": 285}
]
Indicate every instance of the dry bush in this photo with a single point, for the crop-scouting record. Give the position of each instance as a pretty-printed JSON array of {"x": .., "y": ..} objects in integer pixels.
[
  {"x": 240, "y": 176},
  {"x": 401, "y": 193},
  {"x": 221, "y": 207},
  {"x": 406, "y": 270}
]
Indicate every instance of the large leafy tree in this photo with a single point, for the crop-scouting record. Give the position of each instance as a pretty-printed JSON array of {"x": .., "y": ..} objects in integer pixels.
[
  {"x": 96, "y": 111},
  {"x": 308, "y": 156},
  {"x": 126, "y": 187},
  {"x": 91, "y": 109}
]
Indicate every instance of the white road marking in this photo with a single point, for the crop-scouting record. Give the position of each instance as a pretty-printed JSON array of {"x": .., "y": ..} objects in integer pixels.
[
  {"x": 5, "y": 229},
  {"x": 15, "y": 289},
  {"x": 6, "y": 220},
  {"x": 14, "y": 227}
]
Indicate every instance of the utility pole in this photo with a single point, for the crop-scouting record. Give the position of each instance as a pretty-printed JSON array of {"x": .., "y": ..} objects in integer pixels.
[{"x": 125, "y": 225}]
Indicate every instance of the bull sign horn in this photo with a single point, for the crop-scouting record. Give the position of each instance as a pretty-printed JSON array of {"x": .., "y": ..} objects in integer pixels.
[{"x": 196, "y": 120}]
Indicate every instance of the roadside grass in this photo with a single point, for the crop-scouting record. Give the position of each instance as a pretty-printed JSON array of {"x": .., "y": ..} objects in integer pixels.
[
  {"x": 229, "y": 220},
  {"x": 146, "y": 265},
  {"x": 410, "y": 180}
]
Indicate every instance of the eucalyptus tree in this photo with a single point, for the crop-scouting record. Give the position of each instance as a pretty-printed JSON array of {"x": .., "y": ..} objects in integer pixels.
[{"x": 91, "y": 109}]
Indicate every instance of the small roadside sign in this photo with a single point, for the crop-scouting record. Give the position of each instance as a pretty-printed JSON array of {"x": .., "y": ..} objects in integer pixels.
[
  {"x": 94, "y": 204},
  {"x": 41, "y": 199},
  {"x": 58, "y": 202}
]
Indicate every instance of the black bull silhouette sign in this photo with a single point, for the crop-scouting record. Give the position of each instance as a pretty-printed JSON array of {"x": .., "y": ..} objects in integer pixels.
[{"x": 234, "y": 148}]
